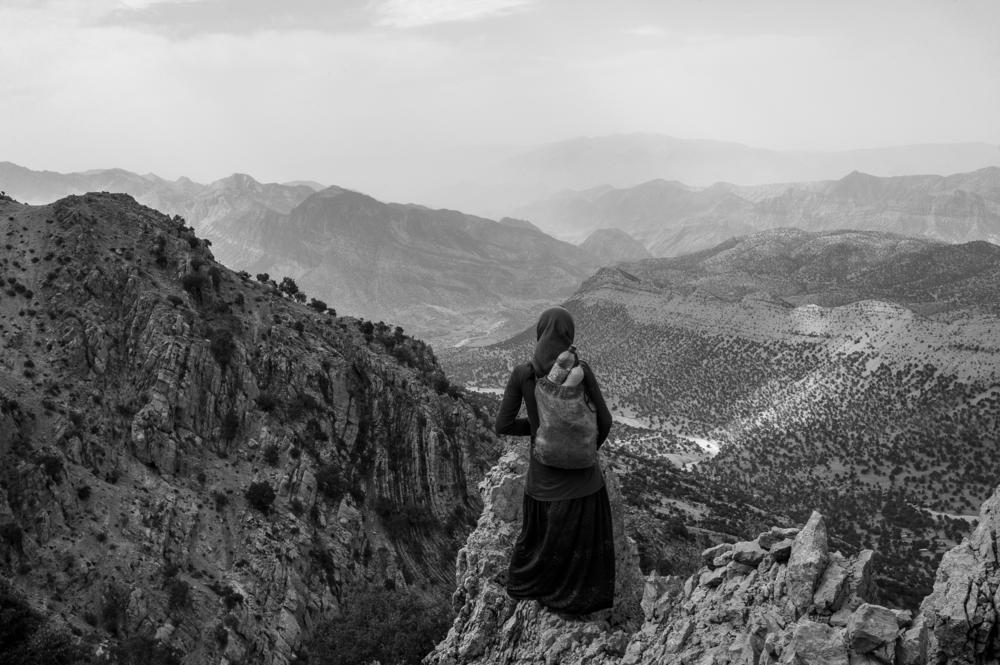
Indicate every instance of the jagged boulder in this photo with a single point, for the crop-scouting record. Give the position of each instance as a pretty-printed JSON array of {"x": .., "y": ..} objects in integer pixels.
[
  {"x": 808, "y": 560},
  {"x": 814, "y": 643},
  {"x": 873, "y": 628},
  {"x": 709, "y": 556},
  {"x": 748, "y": 553},
  {"x": 961, "y": 613}
]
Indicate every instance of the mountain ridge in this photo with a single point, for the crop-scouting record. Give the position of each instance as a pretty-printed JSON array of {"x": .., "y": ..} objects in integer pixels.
[
  {"x": 193, "y": 461},
  {"x": 672, "y": 219},
  {"x": 471, "y": 278}
]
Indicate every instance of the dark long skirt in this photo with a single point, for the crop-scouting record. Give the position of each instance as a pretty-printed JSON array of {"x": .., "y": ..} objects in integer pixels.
[{"x": 565, "y": 555}]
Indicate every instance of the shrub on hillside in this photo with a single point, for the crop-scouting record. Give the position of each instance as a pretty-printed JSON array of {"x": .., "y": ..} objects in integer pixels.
[
  {"x": 288, "y": 286},
  {"x": 52, "y": 465},
  {"x": 222, "y": 345},
  {"x": 195, "y": 283},
  {"x": 398, "y": 627},
  {"x": 260, "y": 496},
  {"x": 330, "y": 482},
  {"x": 230, "y": 425},
  {"x": 145, "y": 650},
  {"x": 272, "y": 454},
  {"x": 178, "y": 595},
  {"x": 26, "y": 638},
  {"x": 267, "y": 401}
]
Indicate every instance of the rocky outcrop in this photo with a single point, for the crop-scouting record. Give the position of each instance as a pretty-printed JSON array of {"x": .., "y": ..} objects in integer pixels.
[
  {"x": 961, "y": 616},
  {"x": 145, "y": 391},
  {"x": 490, "y": 627},
  {"x": 782, "y": 598}
]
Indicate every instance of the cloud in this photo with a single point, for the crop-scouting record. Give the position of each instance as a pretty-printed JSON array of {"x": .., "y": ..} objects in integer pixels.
[
  {"x": 146, "y": 4},
  {"x": 420, "y": 13},
  {"x": 646, "y": 31},
  {"x": 183, "y": 19}
]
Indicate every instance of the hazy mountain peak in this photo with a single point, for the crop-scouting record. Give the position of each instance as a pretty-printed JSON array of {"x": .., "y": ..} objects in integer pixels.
[
  {"x": 613, "y": 246},
  {"x": 239, "y": 181},
  {"x": 520, "y": 224}
]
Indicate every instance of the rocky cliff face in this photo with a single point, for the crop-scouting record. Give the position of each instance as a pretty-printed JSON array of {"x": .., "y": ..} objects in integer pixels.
[
  {"x": 782, "y": 598},
  {"x": 186, "y": 454},
  {"x": 961, "y": 616}
]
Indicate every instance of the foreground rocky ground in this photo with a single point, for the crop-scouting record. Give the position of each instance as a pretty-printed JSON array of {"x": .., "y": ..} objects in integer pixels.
[{"x": 782, "y": 598}]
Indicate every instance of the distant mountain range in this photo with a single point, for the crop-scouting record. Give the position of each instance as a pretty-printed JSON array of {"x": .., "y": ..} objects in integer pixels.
[
  {"x": 444, "y": 275},
  {"x": 626, "y": 160},
  {"x": 671, "y": 218},
  {"x": 451, "y": 277}
]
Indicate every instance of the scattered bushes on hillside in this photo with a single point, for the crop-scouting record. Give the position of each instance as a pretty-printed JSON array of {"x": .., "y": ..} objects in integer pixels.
[
  {"x": 12, "y": 536},
  {"x": 52, "y": 465},
  {"x": 27, "y": 638},
  {"x": 145, "y": 650},
  {"x": 230, "y": 425},
  {"x": 387, "y": 626},
  {"x": 272, "y": 454},
  {"x": 398, "y": 521},
  {"x": 178, "y": 595},
  {"x": 113, "y": 609},
  {"x": 260, "y": 496},
  {"x": 411, "y": 352},
  {"x": 222, "y": 345},
  {"x": 288, "y": 286},
  {"x": 195, "y": 283},
  {"x": 331, "y": 482},
  {"x": 159, "y": 251},
  {"x": 267, "y": 401}
]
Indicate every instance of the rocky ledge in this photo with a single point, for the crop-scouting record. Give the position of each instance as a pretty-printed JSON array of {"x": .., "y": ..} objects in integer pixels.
[{"x": 782, "y": 598}]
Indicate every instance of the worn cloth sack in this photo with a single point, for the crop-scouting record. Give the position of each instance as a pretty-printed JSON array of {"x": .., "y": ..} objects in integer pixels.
[{"x": 567, "y": 426}]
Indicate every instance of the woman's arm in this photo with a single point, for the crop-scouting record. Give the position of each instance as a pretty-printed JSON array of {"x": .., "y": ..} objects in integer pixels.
[
  {"x": 597, "y": 399},
  {"x": 507, "y": 421}
]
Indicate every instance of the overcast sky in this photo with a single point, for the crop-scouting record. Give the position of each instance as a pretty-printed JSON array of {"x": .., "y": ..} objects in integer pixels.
[{"x": 341, "y": 91}]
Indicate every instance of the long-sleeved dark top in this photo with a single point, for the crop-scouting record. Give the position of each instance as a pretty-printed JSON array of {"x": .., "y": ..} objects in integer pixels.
[{"x": 546, "y": 483}]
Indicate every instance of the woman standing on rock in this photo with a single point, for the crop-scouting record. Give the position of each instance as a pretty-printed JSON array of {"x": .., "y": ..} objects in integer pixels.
[{"x": 565, "y": 554}]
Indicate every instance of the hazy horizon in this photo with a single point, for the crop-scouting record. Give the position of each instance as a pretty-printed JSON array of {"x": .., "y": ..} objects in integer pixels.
[{"x": 385, "y": 95}]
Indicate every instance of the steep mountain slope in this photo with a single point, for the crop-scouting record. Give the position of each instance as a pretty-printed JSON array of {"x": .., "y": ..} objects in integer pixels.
[
  {"x": 444, "y": 274},
  {"x": 672, "y": 219},
  {"x": 189, "y": 458},
  {"x": 857, "y": 373},
  {"x": 614, "y": 245}
]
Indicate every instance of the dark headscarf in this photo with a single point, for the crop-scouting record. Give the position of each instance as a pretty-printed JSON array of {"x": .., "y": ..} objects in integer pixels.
[{"x": 555, "y": 332}]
